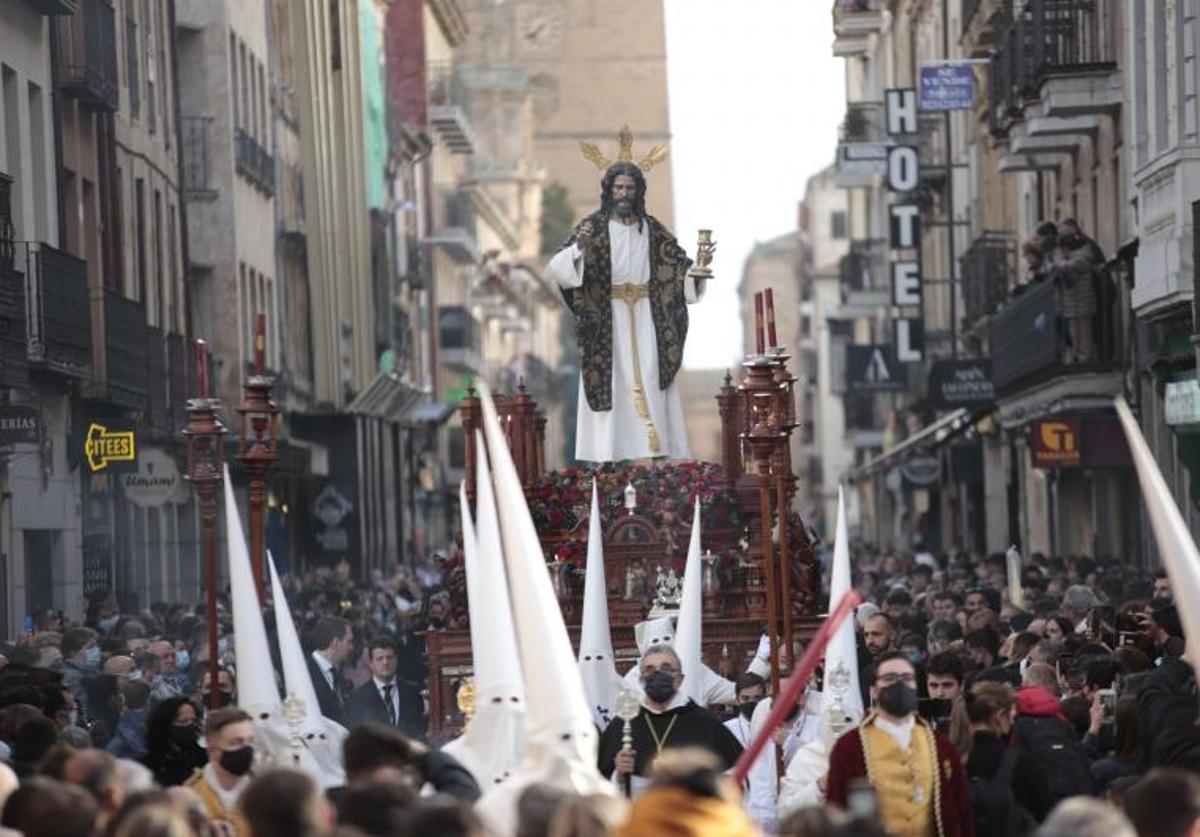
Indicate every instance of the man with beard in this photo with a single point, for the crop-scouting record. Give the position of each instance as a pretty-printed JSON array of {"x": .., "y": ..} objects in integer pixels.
[
  {"x": 918, "y": 777},
  {"x": 625, "y": 279},
  {"x": 667, "y": 719}
]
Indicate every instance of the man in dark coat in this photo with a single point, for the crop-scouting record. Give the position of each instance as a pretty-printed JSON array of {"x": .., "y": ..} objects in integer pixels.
[
  {"x": 385, "y": 699},
  {"x": 332, "y": 640},
  {"x": 667, "y": 719}
]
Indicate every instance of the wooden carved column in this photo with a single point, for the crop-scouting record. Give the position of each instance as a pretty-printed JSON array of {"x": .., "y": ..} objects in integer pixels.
[{"x": 472, "y": 420}]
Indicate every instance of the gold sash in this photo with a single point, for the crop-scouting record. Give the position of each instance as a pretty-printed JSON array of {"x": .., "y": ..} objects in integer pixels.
[{"x": 630, "y": 293}]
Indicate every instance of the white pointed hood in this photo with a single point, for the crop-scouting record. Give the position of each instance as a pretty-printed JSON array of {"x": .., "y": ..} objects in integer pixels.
[
  {"x": 257, "y": 692},
  {"x": 1175, "y": 544},
  {"x": 656, "y": 631},
  {"x": 322, "y": 738},
  {"x": 601, "y": 683},
  {"x": 491, "y": 745},
  {"x": 840, "y": 696},
  {"x": 560, "y": 737},
  {"x": 691, "y": 612}
]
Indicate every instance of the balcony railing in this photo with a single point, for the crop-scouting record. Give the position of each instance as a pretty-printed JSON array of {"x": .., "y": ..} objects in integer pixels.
[
  {"x": 1041, "y": 40},
  {"x": 125, "y": 350},
  {"x": 14, "y": 366},
  {"x": 853, "y": 21},
  {"x": 6, "y": 222},
  {"x": 58, "y": 324},
  {"x": 254, "y": 162},
  {"x": 447, "y": 97},
  {"x": 157, "y": 380},
  {"x": 1044, "y": 332},
  {"x": 86, "y": 45},
  {"x": 197, "y": 159},
  {"x": 987, "y": 266},
  {"x": 863, "y": 122},
  {"x": 55, "y": 7},
  {"x": 459, "y": 338},
  {"x": 863, "y": 268},
  {"x": 454, "y": 230}
]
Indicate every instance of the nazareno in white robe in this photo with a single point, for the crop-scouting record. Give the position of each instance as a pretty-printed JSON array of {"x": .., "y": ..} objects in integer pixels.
[{"x": 619, "y": 433}]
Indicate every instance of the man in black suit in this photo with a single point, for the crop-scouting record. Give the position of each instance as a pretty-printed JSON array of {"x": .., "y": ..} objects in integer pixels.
[
  {"x": 332, "y": 640},
  {"x": 385, "y": 699}
]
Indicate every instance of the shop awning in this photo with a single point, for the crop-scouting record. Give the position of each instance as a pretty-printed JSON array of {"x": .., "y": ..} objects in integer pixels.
[
  {"x": 932, "y": 435},
  {"x": 387, "y": 398}
]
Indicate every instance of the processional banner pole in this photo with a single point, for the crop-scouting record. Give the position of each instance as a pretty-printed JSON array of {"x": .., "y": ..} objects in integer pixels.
[{"x": 785, "y": 700}]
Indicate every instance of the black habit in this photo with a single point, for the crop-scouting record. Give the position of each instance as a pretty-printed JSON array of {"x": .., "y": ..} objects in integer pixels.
[{"x": 684, "y": 726}]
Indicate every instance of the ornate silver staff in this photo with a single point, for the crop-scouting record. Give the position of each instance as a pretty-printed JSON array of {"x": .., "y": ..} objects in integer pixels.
[{"x": 627, "y": 709}]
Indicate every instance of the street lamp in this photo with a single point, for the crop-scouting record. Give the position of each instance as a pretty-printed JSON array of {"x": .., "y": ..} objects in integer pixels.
[
  {"x": 259, "y": 421},
  {"x": 205, "y": 469}
]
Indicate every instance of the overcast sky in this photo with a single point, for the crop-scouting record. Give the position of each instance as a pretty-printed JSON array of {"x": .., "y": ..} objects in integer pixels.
[{"x": 755, "y": 97}]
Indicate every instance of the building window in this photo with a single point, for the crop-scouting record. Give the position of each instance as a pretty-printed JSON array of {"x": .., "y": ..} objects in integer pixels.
[
  {"x": 837, "y": 225},
  {"x": 171, "y": 271},
  {"x": 244, "y": 90},
  {"x": 139, "y": 238},
  {"x": 233, "y": 79},
  {"x": 163, "y": 85},
  {"x": 335, "y": 36},
  {"x": 133, "y": 82},
  {"x": 262, "y": 104},
  {"x": 162, "y": 290},
  {"x": 151, "y": 87},
  {"x": 243, "y": 304}
]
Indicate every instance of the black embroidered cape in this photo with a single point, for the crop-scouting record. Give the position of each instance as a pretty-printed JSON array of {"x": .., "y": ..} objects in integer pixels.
[{"x": 591, "y": 303}]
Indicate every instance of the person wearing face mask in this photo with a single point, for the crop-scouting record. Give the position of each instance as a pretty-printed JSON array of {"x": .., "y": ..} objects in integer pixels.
[
  {"x": 81, "y": 659},
  {"x": 1007, "y": 786},
  {"x": 667, "y": 719},
  {"x": 229, "y": 739},
  {"x": 760, "y": 796},
  {"x": 918, "y": 777},
  {"x": 173, "y": 751}
]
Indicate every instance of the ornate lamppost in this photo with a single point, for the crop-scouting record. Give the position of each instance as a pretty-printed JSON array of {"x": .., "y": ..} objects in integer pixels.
[
  {"x": 204, "y": 436},
  {"x": 259, "y": 421}
]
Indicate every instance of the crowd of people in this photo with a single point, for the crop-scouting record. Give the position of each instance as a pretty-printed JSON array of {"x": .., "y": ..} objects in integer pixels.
[{"x": 1059, "y": 705}]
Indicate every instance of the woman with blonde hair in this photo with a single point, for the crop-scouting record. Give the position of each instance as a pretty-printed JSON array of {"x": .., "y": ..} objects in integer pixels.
[{"x": 1006, "y": 788}]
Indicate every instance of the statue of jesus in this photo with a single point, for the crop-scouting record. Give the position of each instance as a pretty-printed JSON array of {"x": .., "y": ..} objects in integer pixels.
[{"x": 625, "y": 278}]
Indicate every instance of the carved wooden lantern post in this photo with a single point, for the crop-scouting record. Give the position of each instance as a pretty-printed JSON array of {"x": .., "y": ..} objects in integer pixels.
[
  {"x": 204, "y": 436},
  {"x": 257, "y": 449}
]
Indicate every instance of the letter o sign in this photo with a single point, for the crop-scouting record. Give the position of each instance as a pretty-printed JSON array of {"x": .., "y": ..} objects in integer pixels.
[{"x": 903, "y": 168}]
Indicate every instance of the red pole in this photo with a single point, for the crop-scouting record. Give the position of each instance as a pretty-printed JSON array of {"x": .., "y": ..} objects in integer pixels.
[
  {"x": 771, "y": 341},
  {"x": 758, "y": 323},
  {"x": 785, "y": 700}
]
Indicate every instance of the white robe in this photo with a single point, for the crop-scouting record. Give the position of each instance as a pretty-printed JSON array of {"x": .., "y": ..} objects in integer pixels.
[{"x": 620, "y": 433}]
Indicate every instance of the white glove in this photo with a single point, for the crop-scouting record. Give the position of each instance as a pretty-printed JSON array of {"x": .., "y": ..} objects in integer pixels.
[{"x": 764, "y": 648}]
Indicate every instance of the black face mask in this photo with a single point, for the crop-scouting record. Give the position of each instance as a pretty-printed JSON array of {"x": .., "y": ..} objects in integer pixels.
[
  {"x": 659, "y": 686},
  {"x": 238, "y": 761},
  {"x": 899, "y": 699},
  {"x": 226, "y": 698},
  {"x": 184, "y": 734},
  {"x": 746, "y": 709}
]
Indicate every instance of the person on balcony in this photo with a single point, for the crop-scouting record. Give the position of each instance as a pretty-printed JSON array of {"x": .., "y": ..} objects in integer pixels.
[
  {"x": 1079, "y": 263},
  {"x": 1040, "y": 254}
]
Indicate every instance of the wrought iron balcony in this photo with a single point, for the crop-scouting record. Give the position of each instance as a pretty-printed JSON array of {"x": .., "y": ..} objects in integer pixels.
[
  {"x": 125, "y": 351},
  {"x": 58, "y": 324},
  {"x": 1041, "y": 41},
  {"x": 454, "y": 230},
  {"x": 14, "y": 366},
  {"x": 254, "y": 162},
  {"x": 55, "y": 7},
  {"x": 157, "y": 380},
  {"x": 863, "y": 272},
  {"x": 197, "y": 160},
  {"x": 6, "y": 222},
  {"x": 1035, "y": 338},
  {"x": 987, "y": 267},
  {"x": 447, "y": 108},
  {"x": 459, "y": 338},
  {"x": 86, "y": 46},
  {"x": 853, "y": 22}
]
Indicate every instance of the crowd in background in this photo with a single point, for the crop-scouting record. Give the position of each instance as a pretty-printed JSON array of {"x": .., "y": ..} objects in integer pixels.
[{"x": 1067, "y": 700}]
